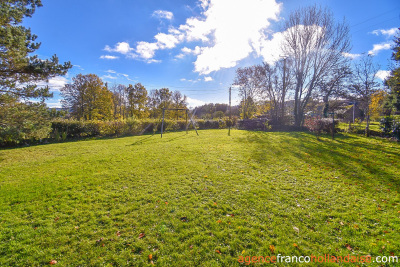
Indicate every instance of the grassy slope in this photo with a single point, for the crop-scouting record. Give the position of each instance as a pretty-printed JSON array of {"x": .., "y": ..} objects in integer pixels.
[{"x": 86, "y": 203}]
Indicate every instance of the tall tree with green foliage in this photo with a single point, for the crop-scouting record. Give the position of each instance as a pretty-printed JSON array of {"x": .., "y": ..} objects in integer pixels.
[
  {"x": 137, "y": 101},
  {"x": 88, "y": 98},
  {"x": 20, "y": 73},
  {"x": 159, "y": 99},
  {"x": 19, "y": 70},
  {"x": 393, "y": 81}
]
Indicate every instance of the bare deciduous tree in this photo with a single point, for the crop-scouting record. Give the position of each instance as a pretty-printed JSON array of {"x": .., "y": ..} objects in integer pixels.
[
  {"x": 334, "y": 84},
  {"x": 316, "y": 44},
  {"x": 364, "y": 84}
]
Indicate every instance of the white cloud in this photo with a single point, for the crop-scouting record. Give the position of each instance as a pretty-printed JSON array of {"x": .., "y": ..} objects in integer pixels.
[
  {"x": 208, "y": 79},
  {"x": 389, "y": 32},
  {"x": 230, "y": 30},
  {"x": 146, "y": 50},
  {"x": 166, "y": 40},
  {"x": 108, "y": 57},
  {"x": 378, "y": 47},
  {"x": 109, "y": 77},
  {"x": 54, "y": 104},
  {"x": 194, "y": 102},
  {"x": 351, "y": 56},
  {"x": 163, "y": 14},
  {"x": 111, "y": 71},
  {"x": 382, "y": 74},
  {"x": 237, "y": 29},
  {"x": 271, "y": 49},
  {"x": 121, "y": 47},
  {"x": 55, "y": 84},
  {"x": 187, "y": 51}
]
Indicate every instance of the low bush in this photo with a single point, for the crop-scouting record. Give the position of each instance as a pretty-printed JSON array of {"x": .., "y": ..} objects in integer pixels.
[{"x": 63, "y": 128}]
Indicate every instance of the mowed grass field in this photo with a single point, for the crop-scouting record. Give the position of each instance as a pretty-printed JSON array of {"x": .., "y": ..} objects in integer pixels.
[{"x": 187, "y": 200}]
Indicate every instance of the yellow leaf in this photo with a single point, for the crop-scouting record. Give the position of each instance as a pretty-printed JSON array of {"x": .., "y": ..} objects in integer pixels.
[{"x": 272, "y": 248}]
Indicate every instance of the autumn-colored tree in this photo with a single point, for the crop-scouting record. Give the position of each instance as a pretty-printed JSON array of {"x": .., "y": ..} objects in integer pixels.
[
  {"x": 159, "y": 99},
  {"x": 136, "y": 101},
  {"x": 376, "y": 106},
  {"x": 119, "y": 101},
  {"x": 247, "y": 108},
  {"x": 88, "y": 98},
  {"x": 178, "y": 101}
]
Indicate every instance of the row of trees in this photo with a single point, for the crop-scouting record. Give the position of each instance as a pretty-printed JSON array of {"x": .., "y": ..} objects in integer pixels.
[
  {"x": 89, "y": 98},
  {"x": 315, "y": 68}
]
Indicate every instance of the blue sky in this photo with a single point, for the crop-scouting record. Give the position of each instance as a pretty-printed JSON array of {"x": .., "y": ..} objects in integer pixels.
[{"x": 186, "y": 45}]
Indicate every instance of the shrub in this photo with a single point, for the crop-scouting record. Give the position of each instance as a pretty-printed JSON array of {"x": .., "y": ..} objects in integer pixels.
[{"x": 320, "y": 125}]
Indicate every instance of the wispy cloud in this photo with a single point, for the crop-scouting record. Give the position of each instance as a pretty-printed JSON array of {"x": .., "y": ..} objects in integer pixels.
[
  {"x": 109, "y": 77},
  {"x": 351, "y": 56},
  {"x": 378, "y": 47},
  {"x": 108, "y": 57},
  {"x": 163, "y": 14},
  {"x": 390, "y": 32}
]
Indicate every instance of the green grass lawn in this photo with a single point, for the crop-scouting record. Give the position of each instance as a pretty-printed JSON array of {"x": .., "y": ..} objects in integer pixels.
[
  {"x": 187, "y": 200},
  {"x": 373, "y": 126}
]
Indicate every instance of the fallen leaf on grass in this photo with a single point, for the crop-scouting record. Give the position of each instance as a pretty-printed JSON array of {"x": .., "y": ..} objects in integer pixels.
[
  {"x": 272, "y": 248},
  {"x": 56, "y": 219},
  {"x": 141, "y": 235},
  {"x": 348, "y": 247},
  {"x": 244, "y": 251},
  {"x": 184, "y": 219},
  {"x": 296, "y": 229},
  {"x": 219, "y": 221},
  {"x": 118, "y": 233},
  {"x": 341, "y": 223},
  {"x": 219, "y": 252},
  {"x": 52, "y": 262},
  {"x": 150, "y": 256}
]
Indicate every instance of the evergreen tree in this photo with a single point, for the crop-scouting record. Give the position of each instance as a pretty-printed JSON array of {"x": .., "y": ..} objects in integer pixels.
[
  {"x": 20, "y": 72},
  {"x": 393, "y": 81}
]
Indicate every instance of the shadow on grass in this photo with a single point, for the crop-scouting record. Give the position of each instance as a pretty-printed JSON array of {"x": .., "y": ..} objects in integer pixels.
[
  {"x": 358, "y": 158},
  {"x": 141, "y": 141}
]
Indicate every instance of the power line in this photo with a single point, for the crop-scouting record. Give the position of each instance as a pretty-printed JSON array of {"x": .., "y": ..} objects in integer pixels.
[
  {"x": 369, "y": 19},
  {"x": 363, "y": 29}
]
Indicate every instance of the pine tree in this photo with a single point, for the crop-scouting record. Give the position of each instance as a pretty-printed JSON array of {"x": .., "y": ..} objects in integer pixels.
[
  {"x": 393, "y": 81},
  {"x": 19, "y": 71}
]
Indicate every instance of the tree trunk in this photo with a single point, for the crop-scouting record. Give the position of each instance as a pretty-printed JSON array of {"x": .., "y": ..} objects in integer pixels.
[{"x": 326, "y": 106}]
